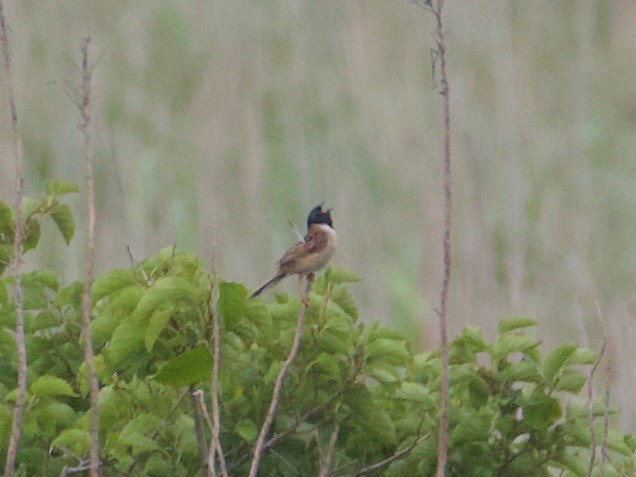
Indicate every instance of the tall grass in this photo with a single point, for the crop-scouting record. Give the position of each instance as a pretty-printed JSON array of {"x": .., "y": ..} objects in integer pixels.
[{"x": 232, "y": 117}]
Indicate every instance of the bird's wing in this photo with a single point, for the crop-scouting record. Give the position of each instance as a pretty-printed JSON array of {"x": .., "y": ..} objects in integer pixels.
[{"x": 314, "y": 243}]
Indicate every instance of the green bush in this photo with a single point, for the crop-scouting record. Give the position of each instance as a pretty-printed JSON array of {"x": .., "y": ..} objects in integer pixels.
[{"x": 512, "y": 411}]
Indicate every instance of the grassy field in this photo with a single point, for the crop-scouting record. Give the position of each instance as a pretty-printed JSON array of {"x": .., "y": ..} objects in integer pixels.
[{"x": 219, "y": 121}]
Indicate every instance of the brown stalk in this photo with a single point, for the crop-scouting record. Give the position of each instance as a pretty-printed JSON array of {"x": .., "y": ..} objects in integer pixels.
[
  {"x": 440, "y": 55},
  {"x": 606, "y": 404},
  {"x": 18, "y": 248},
  {"x": 590, "y": 407},
  {"x": 215, "y": 441},
  {"x": 325, "y": 463},
  {"x": 90, "y": 263},
  {"x": 198, "y": 430},
  {"x": 204, "y": 409},
  {"x": 258, "y": 448},
  {"x": 395, "y": 456}
]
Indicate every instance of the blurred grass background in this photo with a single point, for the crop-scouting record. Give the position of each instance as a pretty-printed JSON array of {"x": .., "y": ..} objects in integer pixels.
[{"x": 222, "y": 120}]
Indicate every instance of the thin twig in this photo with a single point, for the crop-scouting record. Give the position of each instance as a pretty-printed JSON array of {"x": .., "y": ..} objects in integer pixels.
[
  {"x": 82, "y": 467},
  {"x": 607, "y": 456},
  {"x": 590, "y": 407},
  {"x": 590, "y": 395},
  {"x": 395, "y": 456},
  {"x": 90, "y": 262},
  {"x": 258, "y": 449},
  {"x": 297, "y": 233},
  {"x": 198, "y": 431},
  {"x": 133, "y": 264},
  {"x": 206, "y": 415},
  {"x": 325, "y": 462},
  {"x": 606, "y": 405},
  {"x": 215, "y": 441},
  {"x": 442, "y": 445},
  {"x": 18, "y": 248}
]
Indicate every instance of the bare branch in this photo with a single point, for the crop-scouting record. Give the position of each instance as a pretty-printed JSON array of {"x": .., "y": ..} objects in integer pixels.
[
  {"x": 590, "y": 406},
  {"x": 215, "y": 441},
  {"x": 393, "y": 457},
  {"x": 297, "y": 233},
  {"x": 258, "y": 449},
  {"x": 82, "y": 467},
  {"x": 440, "y": 55},
  {"x": 198, "y": 430},
  {"x": 18, "y": 248},
  {"x": 218, "y": 450},
  {"x": 90, "y": 263},
  {"x": 133, "y": 263},
  {"x": 590, "y": 395},
  {"x": 325, "y": 462},
  {"x": 606, "y": 404}
]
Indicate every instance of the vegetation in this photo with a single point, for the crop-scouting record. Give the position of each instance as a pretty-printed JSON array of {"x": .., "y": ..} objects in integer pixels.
[{"x": 512, "y": 412}]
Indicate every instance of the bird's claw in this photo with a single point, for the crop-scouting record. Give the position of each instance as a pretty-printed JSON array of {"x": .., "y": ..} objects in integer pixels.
[{"x": 305, "y": 301}]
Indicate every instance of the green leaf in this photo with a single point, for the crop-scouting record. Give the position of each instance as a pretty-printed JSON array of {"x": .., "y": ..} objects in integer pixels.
[
  {"x": 541, "y": 410},
  {"x": 581, "y": 356},
  {"x": 473, "y": 337},
  {"x": 4, "y": 296},
  {"x": 51, "y": 386},
  {"x": 61, "y": 187},
  {"x": 127, "y": 340},
  {"x": 135, "y": 433},
  {"x": 571, "y": 381},
  {"x": 32, "y": 206},
  {"x": 388, "y": 350},
  {"x": 71, "y": 295},
  {"x": 76, "y": 441},
  {"x": 342, "y": 297},
  {"x": 515, "y": 322},
  {"x": 156, "y": 324},
  {"x": 6, "y": 223},
  {"x": 247, "y": 429},
  {"x": 509, "y": 343},
  {"x": 111, "y": 281},
  {"x": 556, "y": 359},
  {"x": 189, "y": 367},
  {"x": 382, "y": 372},
  {"x": 410, "y": 391},
  {"x": 525, "y": 370},
  {"x": 272, "y": 372},
  {"x": 167, "y": 291},
  {"x": 32, "y": 232},
  {"x": 330, "y": 364},
  {"x": 337, "y": 275},
  {"x": 63, "y": 218},
  {"x": 231, "y": 304}
]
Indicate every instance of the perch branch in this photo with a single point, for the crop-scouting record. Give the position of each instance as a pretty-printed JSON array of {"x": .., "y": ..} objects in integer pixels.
[
  {"x": 215, "y": 441},
  {"x": 258, "y": 449}
]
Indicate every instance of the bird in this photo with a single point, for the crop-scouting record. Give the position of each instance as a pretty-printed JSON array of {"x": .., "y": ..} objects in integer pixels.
[{"x": 309, "y": 255}]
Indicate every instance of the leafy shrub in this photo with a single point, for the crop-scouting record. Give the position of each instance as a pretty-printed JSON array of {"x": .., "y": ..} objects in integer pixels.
[{"x": 512, "y": 411}]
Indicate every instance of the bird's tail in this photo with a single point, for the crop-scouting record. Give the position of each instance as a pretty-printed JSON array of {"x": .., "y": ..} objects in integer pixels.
[{"x": 269, "y": 283}]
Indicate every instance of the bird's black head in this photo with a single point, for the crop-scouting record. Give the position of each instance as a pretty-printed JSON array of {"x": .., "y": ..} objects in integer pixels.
[{"x": 319, "y": 216}]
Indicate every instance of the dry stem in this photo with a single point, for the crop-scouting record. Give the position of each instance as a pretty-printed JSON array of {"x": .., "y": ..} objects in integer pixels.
[
  {"x": 18, "y": 248},
  {"x": 442, "y": 445},
  {"x": 90, "y": 262},
  {"x": 198, "y": 430},
  {"x": 325, "y": 463},
  {"x": 215, "y": 442},
  {"x": 606, "y": 404},
  {"x": 395, "y": 456},
  {"x": 590, "y": 404},
  {"x": 258, "y": 449}
]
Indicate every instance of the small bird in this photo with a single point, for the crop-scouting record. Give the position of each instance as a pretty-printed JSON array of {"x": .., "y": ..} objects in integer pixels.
[{"x": 310, "y": 255}]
